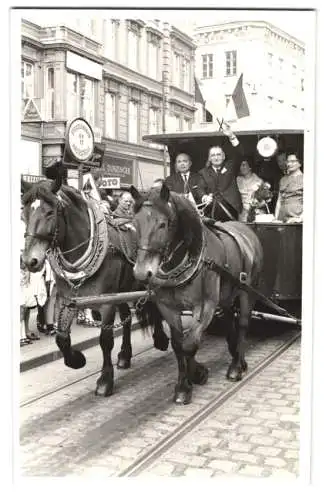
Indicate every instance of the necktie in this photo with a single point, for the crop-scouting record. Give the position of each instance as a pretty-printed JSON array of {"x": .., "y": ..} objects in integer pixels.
[{"x": 185, "y": 180}]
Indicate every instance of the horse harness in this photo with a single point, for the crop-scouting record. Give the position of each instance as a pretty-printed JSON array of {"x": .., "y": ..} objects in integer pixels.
[
  {"x": 98, "y": 248},
  {"x": 240, "y": 282}
]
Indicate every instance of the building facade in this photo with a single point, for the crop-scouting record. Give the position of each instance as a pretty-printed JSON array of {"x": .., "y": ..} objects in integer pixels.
[
  {"x": 272, "y": 63},
  {"x": 126, "y": 77}
]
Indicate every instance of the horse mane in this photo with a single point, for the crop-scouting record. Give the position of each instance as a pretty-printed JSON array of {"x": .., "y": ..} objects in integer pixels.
[
  {"x": 42, "y": 191},
  {"x": 188, "y": 219}
]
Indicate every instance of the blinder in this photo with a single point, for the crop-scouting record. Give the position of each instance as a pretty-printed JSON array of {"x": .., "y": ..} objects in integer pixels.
[{"x": 51, "y": 237}]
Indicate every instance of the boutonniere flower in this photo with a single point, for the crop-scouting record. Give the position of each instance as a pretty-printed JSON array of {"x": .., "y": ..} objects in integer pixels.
[{"x": 223, "y": 170}]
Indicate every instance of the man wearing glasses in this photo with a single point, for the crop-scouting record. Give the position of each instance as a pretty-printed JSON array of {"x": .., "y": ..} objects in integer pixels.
[{"x": 217, "y": 183}]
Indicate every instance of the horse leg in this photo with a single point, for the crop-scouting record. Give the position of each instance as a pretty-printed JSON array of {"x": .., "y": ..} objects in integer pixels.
[
  {"x": 183, "y": 389},
  {"x": 104, "y": 384},
  {"x": 160, "y": 338},
  {"x": 236, "y": 339},
  {"x": 125, "y": 353},
  {"x": 72, "y": 357},
  {"x": 202, "y": 316}
]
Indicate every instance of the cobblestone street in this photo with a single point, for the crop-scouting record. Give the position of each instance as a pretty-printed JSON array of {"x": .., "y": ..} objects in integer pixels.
[
  {"x": 254, "y": 434},
  {"x": 72, "y": 432}
]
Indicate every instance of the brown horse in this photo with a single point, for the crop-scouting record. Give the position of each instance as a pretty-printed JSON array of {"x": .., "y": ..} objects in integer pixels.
[
  {"x": 180, "y": 257},
  {"x": 88, "y": 257}
]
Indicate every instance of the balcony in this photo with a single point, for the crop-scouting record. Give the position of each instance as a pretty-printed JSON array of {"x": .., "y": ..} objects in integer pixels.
[{"x": 63, "y": 35}]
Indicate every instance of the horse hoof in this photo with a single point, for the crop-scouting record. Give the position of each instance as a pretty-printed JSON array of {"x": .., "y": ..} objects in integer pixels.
[
  {"x": 123, "y": 364},
  {"x": 75, "y": 360},
  {"x": 234, "y": 374},
  {"x": 200, "y": 376},
  {"x": 104, "y": 390},
  {"x": 161, "y": 342},
  {"x": 182, "y": 398}
]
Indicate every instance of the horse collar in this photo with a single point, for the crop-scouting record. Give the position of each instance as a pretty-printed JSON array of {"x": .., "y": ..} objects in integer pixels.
[{"x": 92, "y": 259}]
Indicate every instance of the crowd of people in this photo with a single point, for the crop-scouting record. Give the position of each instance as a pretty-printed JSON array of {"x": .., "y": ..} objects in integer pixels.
[{"x": 229, "y": 189}]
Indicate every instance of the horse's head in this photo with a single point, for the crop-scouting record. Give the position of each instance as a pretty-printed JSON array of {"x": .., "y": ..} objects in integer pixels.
[
  {"x": 40, "y": 214},
  {"x": 155, "y": 220}
]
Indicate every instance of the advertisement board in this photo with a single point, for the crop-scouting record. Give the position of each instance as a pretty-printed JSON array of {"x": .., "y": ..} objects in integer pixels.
[{"x": 109, "y": 183}]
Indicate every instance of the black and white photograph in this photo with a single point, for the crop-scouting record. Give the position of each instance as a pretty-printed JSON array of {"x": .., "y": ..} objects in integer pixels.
[{"x": 163, "y": 205}]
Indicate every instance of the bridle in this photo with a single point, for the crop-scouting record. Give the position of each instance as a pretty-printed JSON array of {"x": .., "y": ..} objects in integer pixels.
[
  {"x": 53, "y": 236},
  {"x": 166, "y": 253}
]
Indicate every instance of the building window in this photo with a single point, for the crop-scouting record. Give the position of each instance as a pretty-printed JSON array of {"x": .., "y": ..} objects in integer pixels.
[
  {"x": 133, "y": 45},
  {"x": 186, "y": 75},
  {"x": 178, "y": 123},
  {"x": 73, "y": 98},
  {"x": 50, "y": 94},
  {"x": 88, "y": 100},
  {"x": 153, "y": 55},
  {"x": 187, "y": 124},
  {"x": 176, "y": 69},
  {"x": 110, "y": 103},
  {"x": 111, "y": 39},
  {"x": 80, "y": 97},
  {"x": 231, "y": 63},
  {"x": 153, "y": 120},
  {"x": 207, "y": 65},
  {"x": 133, "y": 121},
  {"x": 27, "y": 80}
]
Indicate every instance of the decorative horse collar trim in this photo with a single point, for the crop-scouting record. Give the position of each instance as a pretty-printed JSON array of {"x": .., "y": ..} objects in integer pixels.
[
  {"x": 184, "y": 272},
  {"x": 92, "y": 259}
]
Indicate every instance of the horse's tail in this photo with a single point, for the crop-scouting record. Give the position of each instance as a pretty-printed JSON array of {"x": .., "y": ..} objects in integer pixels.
[{"x": 148, "y": 315}]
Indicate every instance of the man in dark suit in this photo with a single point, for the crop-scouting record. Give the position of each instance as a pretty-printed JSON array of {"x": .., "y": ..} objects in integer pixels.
[
  {"x": 217, "y": 184},
  {"x": 184, "y": 181}
]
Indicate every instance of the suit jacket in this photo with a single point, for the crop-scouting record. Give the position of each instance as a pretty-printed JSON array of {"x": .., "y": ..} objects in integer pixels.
[
  {"x": 223, "y": 183},
  {"x": 176, "y": 183}
]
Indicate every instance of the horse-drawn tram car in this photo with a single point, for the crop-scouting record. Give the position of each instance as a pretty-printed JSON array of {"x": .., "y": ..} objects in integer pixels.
[
  {"x": 281, "y": 279},
  {"x": 177, "y": 265}
]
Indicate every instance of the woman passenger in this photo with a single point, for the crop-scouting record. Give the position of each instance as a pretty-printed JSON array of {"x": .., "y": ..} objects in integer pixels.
[
  {"x": 289, "y": 206},
  {"x": 248, "y": 183}
]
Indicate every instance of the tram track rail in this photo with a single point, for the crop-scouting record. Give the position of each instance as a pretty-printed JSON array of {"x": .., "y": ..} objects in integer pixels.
[
  {"x": 145, "y": 461},
  {"x": 62, "y": 387}
]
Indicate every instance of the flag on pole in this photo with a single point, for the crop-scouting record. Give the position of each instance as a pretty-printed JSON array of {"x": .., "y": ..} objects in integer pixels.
[{"x": 239, "y": 99}]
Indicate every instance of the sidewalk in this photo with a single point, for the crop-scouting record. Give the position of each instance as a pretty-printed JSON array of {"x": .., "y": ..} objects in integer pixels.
[{"x": 45, "y": 350}]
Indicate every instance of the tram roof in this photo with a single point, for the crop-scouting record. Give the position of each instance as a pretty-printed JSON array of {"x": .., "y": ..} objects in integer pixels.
[{"x": 206, "y": 134}]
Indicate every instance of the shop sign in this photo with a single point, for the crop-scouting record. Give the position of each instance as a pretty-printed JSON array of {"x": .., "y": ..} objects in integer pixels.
[
  {"x": 109, "y": 183},
  {"x": 117, "y": 167},
  {"x": 80, "y": 140}
]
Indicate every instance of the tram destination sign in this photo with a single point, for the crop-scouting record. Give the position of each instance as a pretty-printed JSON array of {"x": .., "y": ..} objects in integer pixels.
[{"x": 80, "y": 140}]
